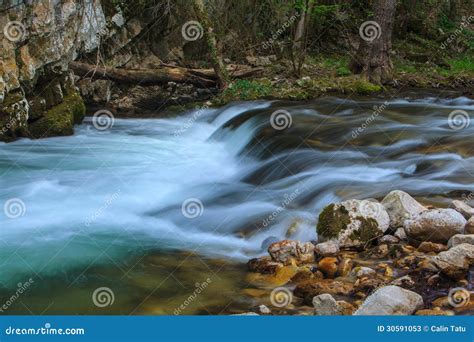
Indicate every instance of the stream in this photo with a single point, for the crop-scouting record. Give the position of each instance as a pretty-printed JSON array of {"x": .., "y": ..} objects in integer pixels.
[{"x": 155, "y": 208}]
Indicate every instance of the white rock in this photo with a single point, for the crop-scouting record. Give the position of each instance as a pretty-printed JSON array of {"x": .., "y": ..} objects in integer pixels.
[
  {"x": 463, "y": 208},
  {"x": 362, "y": 271},
  {"x": 327, "y": 248},
  {"x": 390, "y": 300},
  {"x": 264, "y": 310},
  {"x": 400, "y": 206},
  {"x": 288, "y": 251},
  {"x": 461, "y": 238},
  {"x": 390, "y": 239},
  {"x": 326, "y": 305},
  {"x": 401, "y": 234},
  {"x": 436, "y": 225},
  {"x": 366, "y": 217}
]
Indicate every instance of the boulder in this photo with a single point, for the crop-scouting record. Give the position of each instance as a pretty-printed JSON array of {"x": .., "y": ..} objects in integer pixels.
[
  {"x": 461, "y": 238},
  {"x": 352, "y": 223},
  {"x": 291, "y": 251},
  {"x": 390, "y": 300},
  {"x": 463, "y": 208},
  {"x": 435, "y": 225},
  {"x": 455, "y": 262},
  {"x": 327, "y": 248},
  {"x": 400, "y": 206}
]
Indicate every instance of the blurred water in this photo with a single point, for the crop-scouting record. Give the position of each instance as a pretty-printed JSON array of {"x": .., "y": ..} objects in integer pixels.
[{"x": 103, "y": 196}]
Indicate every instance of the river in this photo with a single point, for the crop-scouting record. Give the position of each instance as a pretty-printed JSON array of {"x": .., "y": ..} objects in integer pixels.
[{"x": 152, "y": 208}]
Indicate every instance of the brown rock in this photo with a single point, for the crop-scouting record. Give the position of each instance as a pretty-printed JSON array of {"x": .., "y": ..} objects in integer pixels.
[
  {"x": 431, "y": 247},
  {"x": 433, "y": 312},
  {"x": 263, "y": 265},
  {"x": 315, "y": 287},
  {"x": 291, "y": 251},
  {"x": 469, "y": 228},
  {"x": 328, "y": 266}
]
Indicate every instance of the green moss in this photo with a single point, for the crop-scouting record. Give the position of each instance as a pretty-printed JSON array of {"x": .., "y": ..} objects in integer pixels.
[
  {"x": 244, "y": 90},
  {"x": 59, "y": 120},
  {"x": 332, "y": 221},
  {"x": 368, "y": 230}
]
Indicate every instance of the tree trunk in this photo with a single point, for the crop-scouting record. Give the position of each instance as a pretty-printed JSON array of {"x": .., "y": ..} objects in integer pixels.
[
  {"x": 373, "y": 56},
  {"x": 299, "y": 41},
  {"x": 211, "y": 41},
  {"x": 145, "y": 77}
]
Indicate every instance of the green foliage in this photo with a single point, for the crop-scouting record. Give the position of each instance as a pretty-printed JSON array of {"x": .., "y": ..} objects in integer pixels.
[{"x": 246, "y": 90}]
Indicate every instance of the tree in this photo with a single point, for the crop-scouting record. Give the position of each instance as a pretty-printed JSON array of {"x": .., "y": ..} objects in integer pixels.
[
  {"x": 211, "y": 41},
  {"x": 373, "y": 55}
]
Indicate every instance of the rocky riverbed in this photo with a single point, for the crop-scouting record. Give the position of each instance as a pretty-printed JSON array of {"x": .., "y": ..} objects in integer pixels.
[{"x": 394, "y": 257}]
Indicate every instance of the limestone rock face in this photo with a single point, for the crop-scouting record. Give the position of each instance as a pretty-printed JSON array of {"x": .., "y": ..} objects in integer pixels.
[
  {"x": 353, "y": 222},
  {"x": 400, "y": 206},
  {"x": 390, "y": 300},
  {"x": 436, "y": 225}
]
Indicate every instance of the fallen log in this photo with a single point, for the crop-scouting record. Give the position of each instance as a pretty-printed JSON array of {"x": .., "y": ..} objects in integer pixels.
[
  {"x": 144, "y": 77},
  {"x": 202, "y": 78}
]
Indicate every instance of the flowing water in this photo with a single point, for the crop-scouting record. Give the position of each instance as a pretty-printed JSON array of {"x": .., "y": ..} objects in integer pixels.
[{"x": 155, "y": 208}]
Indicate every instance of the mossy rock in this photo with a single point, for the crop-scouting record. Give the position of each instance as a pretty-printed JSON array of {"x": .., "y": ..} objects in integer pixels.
[
  {"x": 352, "y": 223},
  {"x": 59, "y": 120}
]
